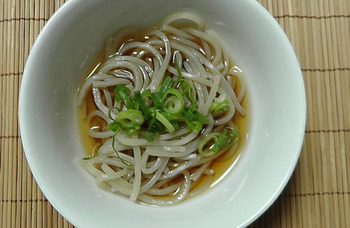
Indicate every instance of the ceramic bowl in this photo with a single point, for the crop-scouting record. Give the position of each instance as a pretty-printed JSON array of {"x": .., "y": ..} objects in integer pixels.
[{"x": 63, "y": 54}]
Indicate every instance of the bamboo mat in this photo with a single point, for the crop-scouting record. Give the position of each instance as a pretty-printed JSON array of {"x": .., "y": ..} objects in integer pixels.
[{"x": 318, "y": 193}]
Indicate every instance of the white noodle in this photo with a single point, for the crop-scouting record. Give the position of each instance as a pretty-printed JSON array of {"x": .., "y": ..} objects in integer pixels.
[
  {"x": 201, "y": 189},
  {"x": 137, "y": 171},
  {"x": 181, "y": 195}
]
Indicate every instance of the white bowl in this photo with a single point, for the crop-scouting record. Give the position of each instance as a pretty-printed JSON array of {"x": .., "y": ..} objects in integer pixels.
[{"x": 62, "y": 55}]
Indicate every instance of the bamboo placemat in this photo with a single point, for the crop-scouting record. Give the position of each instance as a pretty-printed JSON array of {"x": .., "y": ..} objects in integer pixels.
[{"x": 317, "y": 194}]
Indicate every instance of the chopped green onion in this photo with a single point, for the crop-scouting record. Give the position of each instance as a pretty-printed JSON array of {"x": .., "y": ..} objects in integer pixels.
[
  {"x": 154, "y": 125},
  {"x": 113, "y": 146},
  {"x": 144, "y": 109},
  {"x": 185, "y": 86},
  {"x": 194, "y": 115},
  {"x": 136, "y": 106},
  {"x": 158, "y": 126},
  {"x": 130, "y": 118},
  {"x": 173, "y": 119},
  {"x": 123, "y": 94},
  {"x": 147, "y": 97},
  {"x": 166, "y": 110},
  {"x": 188, "y": 114},
  {"x": 226, "y": 139},
  {"x": 175, "y": 125},
  {"x": 166, "y": 84},
  {"x": 220, "y": 107},
  {"x": 110, "y": 113},
  {"x": 178, "y": 71},
  {"x": 123, "y": 88},
  {"x": 165, "y": 122},
  {"x": 150, "y": 136},
  {"x": 173, "y": 116},
  {"x": 88, "y": 158},
  {"x": 131, "y": 130},
  {"x": 206, "y": 151},
  {"x": 146, "y": 93},
  {"x": 184, "y": 83},
  {"x": 221, "y": 141},
  {"x": 157, "y": 100},
  {"x": 202, "y": 118},
  {"x": 114, "y": 126},
  {"x": 234, "y": 136},
  {"x": 173, "y": 101},
  {"x": 194, "y": 126}
]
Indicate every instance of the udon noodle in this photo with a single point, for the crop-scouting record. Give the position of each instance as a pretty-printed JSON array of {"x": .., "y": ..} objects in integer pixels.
[{"x": 164, "y": 104}]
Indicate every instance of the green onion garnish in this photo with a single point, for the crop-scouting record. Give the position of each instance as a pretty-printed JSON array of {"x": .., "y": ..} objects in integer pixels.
[
  {"x": 165, "y": 122},
  {"x": 90, "y": 157},
  {"x": 219, "y": 107},
  {"x": 194, "y": 126},
  {"x": 173, "y": 101},
  {"x": 150, "y": 136},
  {"x": 206, "y": 151},
  {"x": 147, "y": 95},
  {"x": 123, "y": 94},
  {"x": 117, "y": 153},
  {"x": 114, "y": 126},
  {"x": 166, "y": 84},
  {"x": 190, "y": 114},
  {"x": 175, "y": 125},
  {"x": 154, "y": 125},
  {"x": 138, "y": 99},
  {"x": 221, "y": 141},
  {"x": 178, "y": 71},
  {"x": 185, "y": 86},
  {"x": 165, "y": 111},
  {"x": 157, "y": 100},
  {"x": 130, "y": 118}
]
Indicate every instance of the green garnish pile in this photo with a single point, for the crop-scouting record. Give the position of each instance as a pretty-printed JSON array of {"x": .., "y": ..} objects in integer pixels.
[
  {"x": 171, "y": 106},
  {"x": 160, "y": 111}
]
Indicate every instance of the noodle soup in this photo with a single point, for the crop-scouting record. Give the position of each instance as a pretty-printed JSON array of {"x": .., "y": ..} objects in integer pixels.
[{"x": 163, "y": 113}]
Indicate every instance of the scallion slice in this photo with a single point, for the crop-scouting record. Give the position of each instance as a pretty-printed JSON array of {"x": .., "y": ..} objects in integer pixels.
[
  {"x": 226, "y": 139},
  {"x": 194, "y": 126},
  {"x": 123, "y": 94},
  {"x": 173, "y": 101},
  {"x": 203, "y": 148},
  {"x": 130, "y": 118},
  {"x": 117, "y": 153},
  {"x": 219, "y": 107},
  {"x": 165, "y": 122},
  {"x": 145, "y": 110},
  {"x": 166, "y": 84},
  {"x": 114, "y": 126},
  {"x": 157, "y": 100}
]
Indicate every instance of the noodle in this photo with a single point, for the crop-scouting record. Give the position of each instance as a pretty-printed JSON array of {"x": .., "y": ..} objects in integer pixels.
[{"x": 164, "y": 105}]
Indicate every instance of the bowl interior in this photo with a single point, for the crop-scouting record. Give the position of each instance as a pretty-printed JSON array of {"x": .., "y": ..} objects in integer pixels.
[{"x": 63, "y": 55}]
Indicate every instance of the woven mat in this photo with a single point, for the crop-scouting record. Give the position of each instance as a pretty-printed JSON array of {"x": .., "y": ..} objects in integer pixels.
[{"x": 317, "y": 194}]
